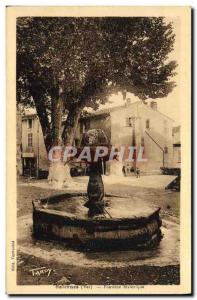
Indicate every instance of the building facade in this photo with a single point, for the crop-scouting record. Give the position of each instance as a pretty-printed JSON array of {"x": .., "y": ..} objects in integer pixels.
[
  {"x": 34, "y": 155},
  {"x": 176, "y": 132},
  {"x": 133, "y": 124},
  {"x": 139, "y": 125}
]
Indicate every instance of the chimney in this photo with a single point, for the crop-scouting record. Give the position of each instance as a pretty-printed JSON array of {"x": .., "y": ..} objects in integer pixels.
[{"x": 153, "y": 105}]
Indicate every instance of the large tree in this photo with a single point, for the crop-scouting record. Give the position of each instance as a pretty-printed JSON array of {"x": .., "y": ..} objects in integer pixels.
[{"x": 65, "y": 64}]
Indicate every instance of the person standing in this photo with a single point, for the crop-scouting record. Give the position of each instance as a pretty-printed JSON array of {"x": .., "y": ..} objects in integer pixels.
[
  {"x": 137, "y": 173},
  {"x": 124, "y": 170}
]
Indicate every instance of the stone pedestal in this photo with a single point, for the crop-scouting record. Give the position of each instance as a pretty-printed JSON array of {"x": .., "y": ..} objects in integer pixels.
[{"x": 116, "y": 168}]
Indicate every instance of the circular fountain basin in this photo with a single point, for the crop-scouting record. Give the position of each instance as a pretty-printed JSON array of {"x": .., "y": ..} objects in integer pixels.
[{"x": 126, "y": 224}]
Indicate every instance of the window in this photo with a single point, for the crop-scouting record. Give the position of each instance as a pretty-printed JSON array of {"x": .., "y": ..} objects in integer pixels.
[
  {"x": 128, "y": 122},
  {"x": 30, "y": 140},
  {"x": 165, "y": 127},
  {"x": 147, "y": 124},
  {"x": 81, "y": 127},
  {"x": 179, "y": 156},
  {"x": 76, "y": 142},
  {"x": 29, "y": 123},
  {"x": 166, "y": 150},
  {"x": 87, "y": 125}
]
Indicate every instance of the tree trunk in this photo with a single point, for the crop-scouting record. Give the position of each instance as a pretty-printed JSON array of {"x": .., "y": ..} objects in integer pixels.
[
  {"x": 70, "y": 126},
  {"x": 59, "y": 171},
  {"x": 56, "y": 118},
  {"x": 42, "y": 115}
]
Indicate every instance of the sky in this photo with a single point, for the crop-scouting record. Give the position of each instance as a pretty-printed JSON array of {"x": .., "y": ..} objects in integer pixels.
[{"x": 170, "y": 105}]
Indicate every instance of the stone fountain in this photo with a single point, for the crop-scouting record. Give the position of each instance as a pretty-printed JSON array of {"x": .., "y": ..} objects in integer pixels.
[{"x": 95, "y": 220}]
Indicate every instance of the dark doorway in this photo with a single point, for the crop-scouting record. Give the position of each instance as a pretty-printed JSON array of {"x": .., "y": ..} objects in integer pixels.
[{"x": 29, "y": 166}]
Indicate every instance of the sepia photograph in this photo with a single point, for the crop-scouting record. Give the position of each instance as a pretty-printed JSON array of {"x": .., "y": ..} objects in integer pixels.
[{"x": 98, "y": 118}]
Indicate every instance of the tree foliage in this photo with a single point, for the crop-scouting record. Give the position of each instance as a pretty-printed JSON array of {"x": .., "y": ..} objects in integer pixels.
[{"x": 65, "y": 64}]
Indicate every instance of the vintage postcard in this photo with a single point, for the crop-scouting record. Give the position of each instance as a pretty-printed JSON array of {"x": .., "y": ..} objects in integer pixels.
[{"x": 98, "y": 150}]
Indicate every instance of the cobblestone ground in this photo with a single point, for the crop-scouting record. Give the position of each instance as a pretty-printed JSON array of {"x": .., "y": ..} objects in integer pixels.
[{"x": 64, "y": 273}]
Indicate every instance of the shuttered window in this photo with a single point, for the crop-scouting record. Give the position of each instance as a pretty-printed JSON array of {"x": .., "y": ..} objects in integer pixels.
[
  {"x": 30, "y": 140},
  {"x": 128, "y": 122},
  {"x": 147, "y": 124},
  {"x": 29, "y": 123}
]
